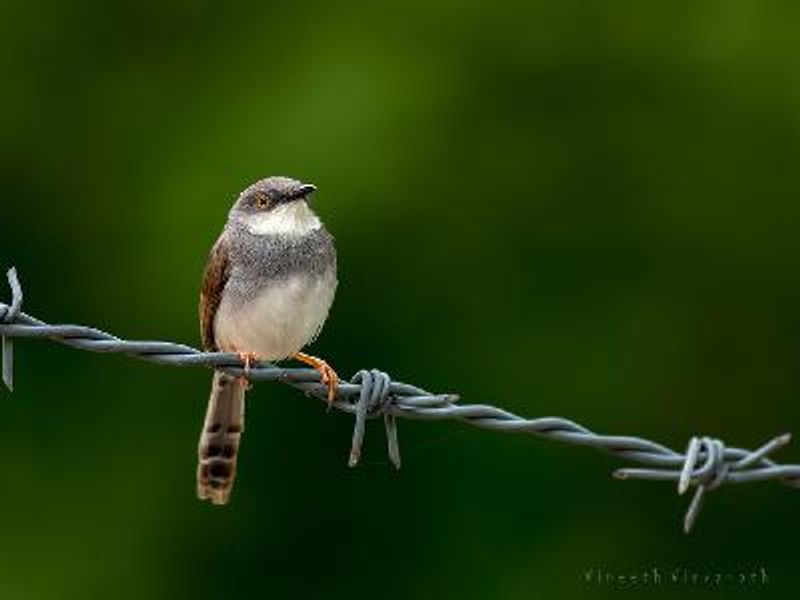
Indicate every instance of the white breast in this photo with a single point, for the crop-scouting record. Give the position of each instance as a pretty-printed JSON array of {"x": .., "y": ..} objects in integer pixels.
[
  {"x": 293, "y": 218},
  {"x": 280, "y": 321}
]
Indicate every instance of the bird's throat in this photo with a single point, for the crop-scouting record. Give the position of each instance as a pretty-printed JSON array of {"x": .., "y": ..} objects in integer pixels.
[{"x": 293, "y": 219}]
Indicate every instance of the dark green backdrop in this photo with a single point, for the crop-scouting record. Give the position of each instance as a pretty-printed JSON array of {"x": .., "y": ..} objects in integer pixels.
[{"x": 586, "y": 209}]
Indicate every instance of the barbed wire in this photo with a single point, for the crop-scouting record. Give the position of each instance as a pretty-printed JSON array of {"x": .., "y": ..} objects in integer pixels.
[{"x": 707, "y": 463}]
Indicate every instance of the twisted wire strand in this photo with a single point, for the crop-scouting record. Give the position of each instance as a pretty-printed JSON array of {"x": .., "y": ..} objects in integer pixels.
[{"x": 707, "y": 463}]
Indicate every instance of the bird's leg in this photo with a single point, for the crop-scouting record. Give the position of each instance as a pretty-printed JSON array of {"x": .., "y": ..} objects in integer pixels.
[
  {"x": 327, "y": 374},
  {"x": 248, "y": 358}
]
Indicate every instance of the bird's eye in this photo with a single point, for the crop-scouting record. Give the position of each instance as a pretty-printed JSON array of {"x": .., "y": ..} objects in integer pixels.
[{"x": 262, "y": 201}]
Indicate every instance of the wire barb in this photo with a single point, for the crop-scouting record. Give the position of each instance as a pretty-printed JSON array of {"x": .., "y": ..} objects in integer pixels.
[
  {"x": 707, "y": 463},
  {"x": 9, "y": 315},
  {"x": 374, "y": 400}
]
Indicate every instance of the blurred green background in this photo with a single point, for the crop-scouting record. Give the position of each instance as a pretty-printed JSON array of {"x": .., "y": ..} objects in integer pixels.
[{"x": 568, "y": 208}]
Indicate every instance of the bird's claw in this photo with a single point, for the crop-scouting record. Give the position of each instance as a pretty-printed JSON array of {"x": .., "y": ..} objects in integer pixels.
[
  {"x": 248, "y": 358},
  {"x": 328, "y": 376}
]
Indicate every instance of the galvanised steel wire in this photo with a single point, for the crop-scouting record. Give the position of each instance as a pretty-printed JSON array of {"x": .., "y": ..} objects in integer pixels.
[{"x": 706, "y": 464}]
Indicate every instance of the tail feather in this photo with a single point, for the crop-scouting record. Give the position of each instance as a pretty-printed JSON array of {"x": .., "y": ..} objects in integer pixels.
[{"x": 219, "y": 441}]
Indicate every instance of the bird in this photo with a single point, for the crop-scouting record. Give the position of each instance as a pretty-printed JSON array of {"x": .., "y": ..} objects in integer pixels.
[{"x": 267, "y": 289}]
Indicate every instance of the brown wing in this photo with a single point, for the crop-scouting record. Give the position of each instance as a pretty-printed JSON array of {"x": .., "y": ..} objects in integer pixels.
[{"x": 214, "y": 280}]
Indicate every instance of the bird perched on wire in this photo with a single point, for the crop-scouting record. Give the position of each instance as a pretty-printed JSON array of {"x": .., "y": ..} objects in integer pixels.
[{"x": 267, "y": 290}]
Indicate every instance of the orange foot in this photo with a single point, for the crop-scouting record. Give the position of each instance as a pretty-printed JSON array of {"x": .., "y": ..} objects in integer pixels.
[
  {"x": 248, "y": 358},
  {"x": 327, "y": 374}
]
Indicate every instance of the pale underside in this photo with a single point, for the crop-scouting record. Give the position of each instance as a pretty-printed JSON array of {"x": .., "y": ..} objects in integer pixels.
[
  {"x": 283, "y": 318},
  {"x": 287, "y": 313}
]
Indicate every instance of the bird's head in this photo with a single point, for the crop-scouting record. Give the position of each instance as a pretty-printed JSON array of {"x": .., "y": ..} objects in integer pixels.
[{"x": 276, "y": 205}]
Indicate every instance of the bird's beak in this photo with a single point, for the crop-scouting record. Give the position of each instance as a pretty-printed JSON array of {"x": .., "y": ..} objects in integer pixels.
[{"x": 303, "y": 191}]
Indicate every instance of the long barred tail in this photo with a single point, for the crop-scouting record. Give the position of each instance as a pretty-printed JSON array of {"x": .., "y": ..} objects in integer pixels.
[{"x": 219, "y": 441}]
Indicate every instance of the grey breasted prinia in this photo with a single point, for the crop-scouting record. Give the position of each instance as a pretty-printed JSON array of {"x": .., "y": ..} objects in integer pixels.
[{"x": 267, "y": 290}]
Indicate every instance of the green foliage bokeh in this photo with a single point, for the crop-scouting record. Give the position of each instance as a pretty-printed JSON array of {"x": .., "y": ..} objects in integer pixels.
[{"x": 574, "y": 208}]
